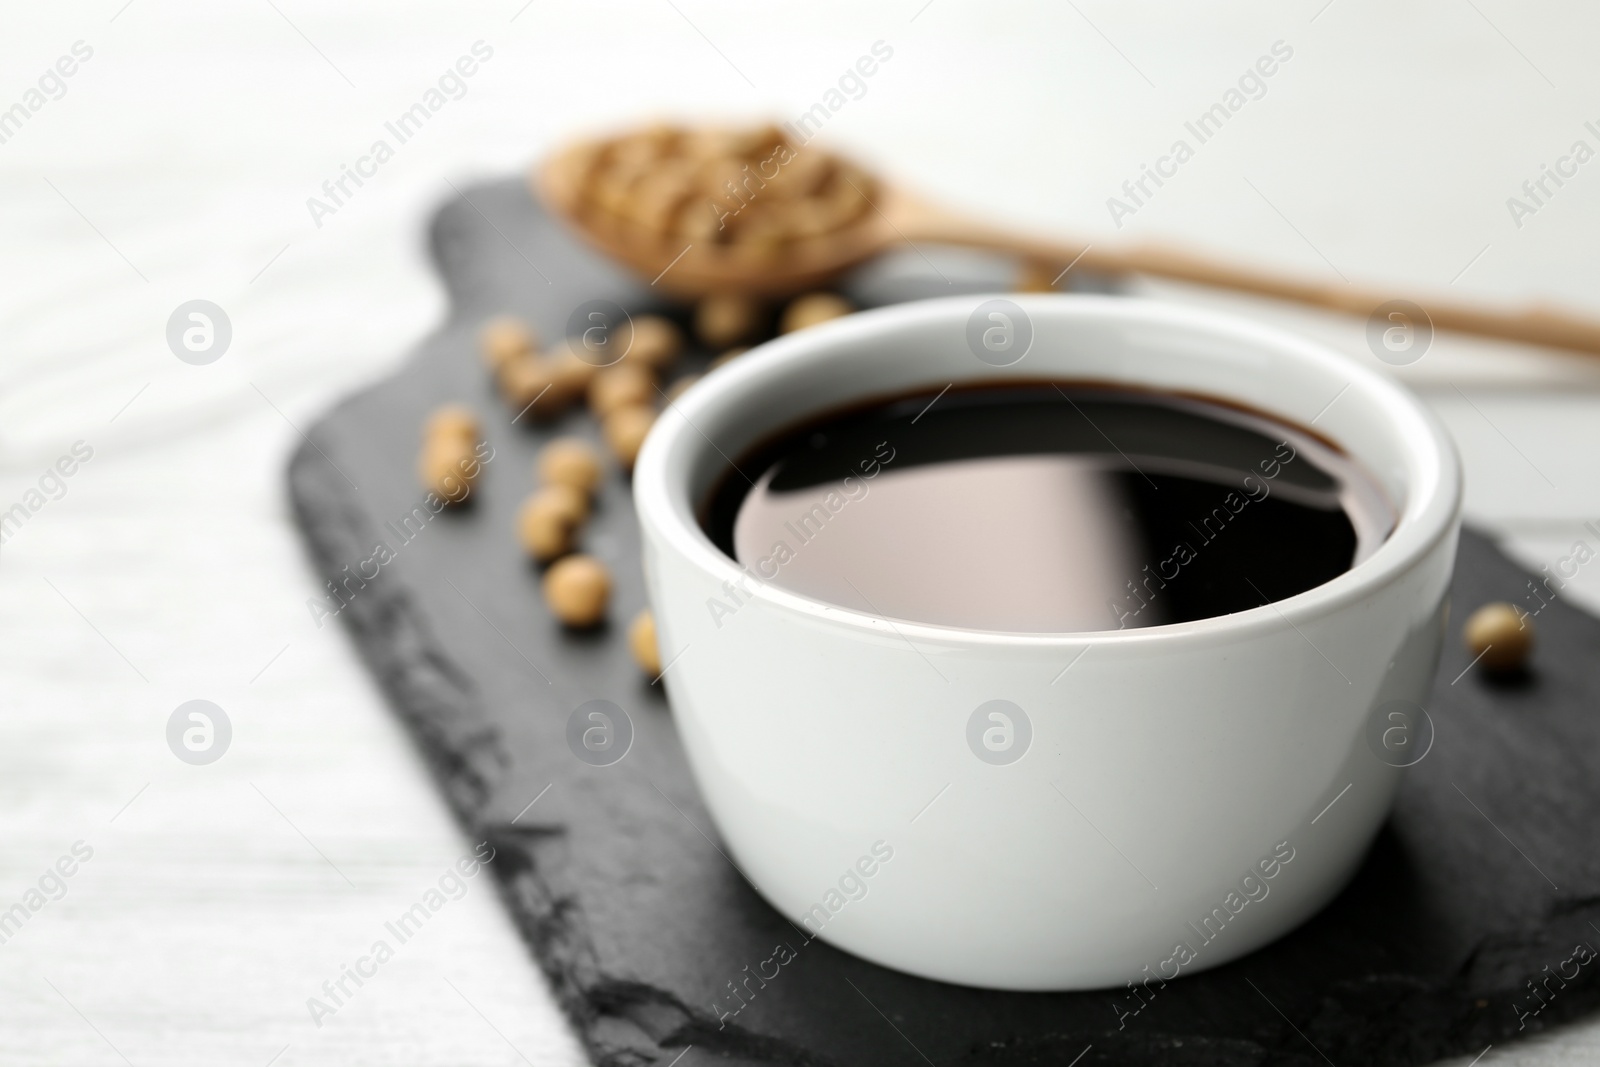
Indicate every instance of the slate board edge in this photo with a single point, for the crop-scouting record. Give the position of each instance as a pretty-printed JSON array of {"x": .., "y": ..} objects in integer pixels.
[{"x": 462, "y": 748}]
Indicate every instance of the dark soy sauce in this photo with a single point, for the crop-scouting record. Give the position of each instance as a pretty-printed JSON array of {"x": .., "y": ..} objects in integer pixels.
[{"x": 1047, "y": 509}]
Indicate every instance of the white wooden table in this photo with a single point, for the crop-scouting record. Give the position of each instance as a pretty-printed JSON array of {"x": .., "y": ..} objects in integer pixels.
[{"x": 175, "y": 164}]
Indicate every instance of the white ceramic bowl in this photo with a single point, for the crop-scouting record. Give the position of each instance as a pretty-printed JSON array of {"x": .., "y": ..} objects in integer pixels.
[{"x": 1190, "y": 791}]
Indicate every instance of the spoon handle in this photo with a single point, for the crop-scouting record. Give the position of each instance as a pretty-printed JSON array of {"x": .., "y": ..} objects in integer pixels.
[{"x": 1536, "y": 324}]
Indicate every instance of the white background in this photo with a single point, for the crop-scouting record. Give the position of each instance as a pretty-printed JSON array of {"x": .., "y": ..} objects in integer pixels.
[{"x": 177, "y": 166}]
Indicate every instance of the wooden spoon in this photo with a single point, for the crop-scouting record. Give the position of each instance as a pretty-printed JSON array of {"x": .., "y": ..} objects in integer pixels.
[{"x": 697, "y": 260}]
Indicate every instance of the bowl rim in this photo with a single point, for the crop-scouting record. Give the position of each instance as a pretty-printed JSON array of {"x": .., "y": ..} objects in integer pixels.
[{"x": 1429, "y": 514}]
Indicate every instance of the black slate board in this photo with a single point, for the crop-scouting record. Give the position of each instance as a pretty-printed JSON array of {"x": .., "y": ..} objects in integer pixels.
[{"x": 617, "y": 883}]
